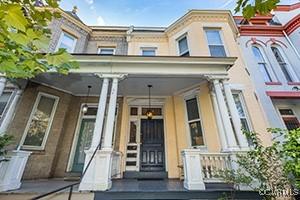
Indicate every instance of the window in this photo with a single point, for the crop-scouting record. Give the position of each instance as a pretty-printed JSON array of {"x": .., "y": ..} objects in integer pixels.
[
  {"x": 215, "y": 43},
  {"x": 183, "y": 46},
  {"x": 283, "y": 65},
  {"x": 194, "y": 122},
  {"x": 40, "y": 121},
  {"x": 106, "y": 51},
  {"x": 67, "y": 42},
  {"x": 148, "y": 52},
  {"x": 290, "y": 120},
  {"x": 261, "y": 64},
  {"x": 4, "y": 99},
  {"x": 239, "y": 103}
]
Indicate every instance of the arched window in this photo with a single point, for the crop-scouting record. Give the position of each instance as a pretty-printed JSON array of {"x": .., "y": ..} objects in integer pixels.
[
  {"x": 283, "y": 64},
  {"x": 261, "y": 64}
]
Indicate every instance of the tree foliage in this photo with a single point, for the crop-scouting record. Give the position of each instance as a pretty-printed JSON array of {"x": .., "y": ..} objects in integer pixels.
[
  {"x": 24, "y": 39},
  {"x": 4, "y": 141},
  {"x": 251, "y": 7}
]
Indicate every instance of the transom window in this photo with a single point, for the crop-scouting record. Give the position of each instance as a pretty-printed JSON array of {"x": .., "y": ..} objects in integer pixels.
[
  {"x": 194, "y": 122},
  {"x": 261, "y": 64},
  {"x": 148, "y": 51},
  {"x": 215, "y": 44},
  {"x": 4, "y": 99},
  {"x": 67, "y": 42},
  {"x": 106, "y": 51},
  {"x": 289, "y": 118},
  {"x": 40, "y": 121},
  {"x": 283, "y": 65},
  {"x": 183, "y": 46}
]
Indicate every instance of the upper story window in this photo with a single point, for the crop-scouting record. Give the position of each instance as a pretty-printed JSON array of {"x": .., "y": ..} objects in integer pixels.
[
  {"x": 283, "y": 64},
  {"x": 148, "y": 51},
  {"x": 215, "y": 44},
  {"x": 106, "y": 51},
  {"x": 289, "y": 118},
  {"x": 183, "y": 46},
  {"x": 40, "y": 121},
  {"x": 261, "y": 64},
  {"x": 194, "y": 122},
  {"x": 4, "y": 99},
  {"x": 67, "y": 42}
]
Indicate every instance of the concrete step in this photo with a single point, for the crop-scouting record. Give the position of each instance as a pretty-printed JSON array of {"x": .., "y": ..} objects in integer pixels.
[{"x": 145, "y": 175}]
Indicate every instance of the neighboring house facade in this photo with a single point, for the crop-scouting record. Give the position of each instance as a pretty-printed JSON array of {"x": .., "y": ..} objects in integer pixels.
[
  {"x": 201, "y": 97},
  {"x": 270, "y": 45}
]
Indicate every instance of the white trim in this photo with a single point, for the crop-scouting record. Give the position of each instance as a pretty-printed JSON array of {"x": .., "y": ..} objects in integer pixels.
[
  {"x": 106, "y": 48},
  {"x": 149, "y": 49},
  {"x": 284, "y": 106},
  {"x": 197, "y": 97},
  {"x": 60, "y": 40},
  {"x": 53, "y": 111},
  {"x": 10, "y": 99}
]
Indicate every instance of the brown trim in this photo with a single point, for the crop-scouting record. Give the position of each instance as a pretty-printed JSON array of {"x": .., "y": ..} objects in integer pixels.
[
  {"x": 283, "y": 94},
  {"x": 273, "y": 83},
  {"x": 263, "y": 30},
  {"x": 292, "y": 25},
  {"x": 293, "y": 83},
  {"x": 287, "y": 8}
]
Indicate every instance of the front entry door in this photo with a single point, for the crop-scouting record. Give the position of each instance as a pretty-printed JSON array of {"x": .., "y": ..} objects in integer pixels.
[
  {"x": 152, "y": 155},
  {"x": 83, "y": 143}
]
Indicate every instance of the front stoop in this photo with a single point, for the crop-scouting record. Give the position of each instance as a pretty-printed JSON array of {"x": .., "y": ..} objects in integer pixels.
[{"x": 168, "y": 189}]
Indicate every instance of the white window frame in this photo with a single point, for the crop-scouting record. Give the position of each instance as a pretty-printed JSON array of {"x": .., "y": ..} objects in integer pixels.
[
  {"x": 266, "y": 63},
  {"x": 288, "y": 66},
  {"x": 279, "y": 107},
  {"x": 221, "y": 36},
  {"x": 37, "y": 101},
  {"x": 187, "y": 121},
  {"x": 106, "y": 48},
  {"x": 11, "y": 97},
  {"x": 60, "y": 40},
  {"x": 245, "y": 109},
  {"x": 185, "y": 35},
  {"x": 148, "y": 48}
]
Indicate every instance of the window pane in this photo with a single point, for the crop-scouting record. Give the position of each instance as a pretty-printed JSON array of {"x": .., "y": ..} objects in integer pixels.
[
  {"x": 238, "y": 105},
  {"x": 263, "y": 70},
  {"x": 67, "y": 42},
  {"x": 4, "y": 100},
  {"x": 132, "y": 136},
  {"x": 258, "y": 55},
  {"x": 196, "y": 133},
  {"x": 192, "y": 109},
  {"x": 286, "y": 111},
  {"x": 217, "y": 50},
  {"x": 91, "y": 111},
  {"x": 155, "y": 111},
  {"x": 148, "y": 52},
  {"x": 106, "y": 51},
  {"x": 281, "y": 63},
  {"x": 39, "y": 122},
  {"x": 213, "y": 37},
  {"x": 285, "y": 72},
  {"x": 277, "y": 54},
  {"x": 183, "y": 45},
  {"x": 134, "y": 111}
]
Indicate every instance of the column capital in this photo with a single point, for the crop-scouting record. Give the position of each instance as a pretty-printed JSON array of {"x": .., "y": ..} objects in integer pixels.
[
  {"x": 216, "y": 77},
  {"x": 118, "y": 76}
]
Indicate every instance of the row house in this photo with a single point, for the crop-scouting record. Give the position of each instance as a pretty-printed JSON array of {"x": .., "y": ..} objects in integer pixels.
[
  {"x": 148, "y": 102},
  {"x": 271, "y": 46}
]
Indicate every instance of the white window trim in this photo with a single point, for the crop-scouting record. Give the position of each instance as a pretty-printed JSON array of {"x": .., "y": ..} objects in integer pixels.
[
  {"x": 280, "y": 106},
  {"x": 242, "y": 99},
  {"x": 42, "y": 147},
  {"x": 185, "y": 35},
  {"x": 10, "y": 99},
  {"x": 148, "y": 48},
  {"x": 290, "y": 68},
  {"x": 221, "y": 36},
  {"x": 60, "y": 40},
  {"x": 204, "y": 146},
  {"x": 100, "y": 48},
  {"x": 269, "y": 67}
]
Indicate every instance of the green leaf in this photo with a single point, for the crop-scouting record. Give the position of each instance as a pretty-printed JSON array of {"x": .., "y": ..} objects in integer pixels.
[
  {"x": 20, "y": 38},
  {"x": 14, "y": 17}
]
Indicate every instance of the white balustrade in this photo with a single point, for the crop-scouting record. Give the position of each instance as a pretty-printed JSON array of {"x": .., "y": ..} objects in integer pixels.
[{"x": 116, "y": 165}]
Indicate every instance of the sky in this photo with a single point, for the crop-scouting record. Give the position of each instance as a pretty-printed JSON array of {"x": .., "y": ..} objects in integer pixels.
[{"x": 142, "y": 12}]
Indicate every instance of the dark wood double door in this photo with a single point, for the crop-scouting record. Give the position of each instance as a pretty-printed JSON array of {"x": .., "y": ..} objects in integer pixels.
[{"x": 152, "y": 154}]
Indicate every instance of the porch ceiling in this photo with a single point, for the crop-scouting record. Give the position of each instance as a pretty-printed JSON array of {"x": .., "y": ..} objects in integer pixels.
[{"x": 132, "y": 85}]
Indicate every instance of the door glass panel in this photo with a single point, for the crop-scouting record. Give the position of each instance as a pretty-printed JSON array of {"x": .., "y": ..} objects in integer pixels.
[{"x": 132, "y": 138}]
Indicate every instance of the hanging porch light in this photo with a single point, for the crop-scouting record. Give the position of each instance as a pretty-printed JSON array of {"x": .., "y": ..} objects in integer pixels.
[
  {"x": 85, "y": 106},
  {"x": 149, "y": 112}
]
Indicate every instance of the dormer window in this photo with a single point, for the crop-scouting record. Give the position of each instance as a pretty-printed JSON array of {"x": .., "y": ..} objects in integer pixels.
[
  {"x": 106, "y": 51},
  {"x": 183, "y": 46},
  {"x": 67, "y": 41}
]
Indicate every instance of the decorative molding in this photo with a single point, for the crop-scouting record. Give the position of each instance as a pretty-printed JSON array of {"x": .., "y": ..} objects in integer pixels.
[
  {"x": 286, "y": 8},
  {"x": 253, "y": 40},
  {"x": 292, "y": 25},
  {"x": 274, "y": 41}
]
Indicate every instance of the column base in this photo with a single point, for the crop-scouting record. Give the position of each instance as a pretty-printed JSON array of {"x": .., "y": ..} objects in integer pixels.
[
  {"x": 194, "y": 185},
  {"x": 98, "y": 175}
]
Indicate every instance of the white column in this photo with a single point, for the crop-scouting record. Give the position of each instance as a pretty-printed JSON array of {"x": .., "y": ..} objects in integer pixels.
[
  {"x": 97, "y": 134},
  {"x": 219, "y": 122},
  {"x": 10, "y": 112},
  {"x": 234, "y": 115},
  {"x": 231, "y": 141},
  {"x": 109, "y": 128},
  {"x": 2, "y": 84}
]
